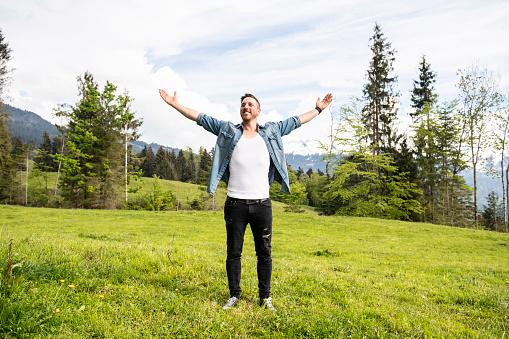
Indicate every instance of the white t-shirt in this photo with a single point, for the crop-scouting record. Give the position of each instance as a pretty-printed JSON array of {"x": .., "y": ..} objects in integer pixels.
[{"x": 249, "y": 169}]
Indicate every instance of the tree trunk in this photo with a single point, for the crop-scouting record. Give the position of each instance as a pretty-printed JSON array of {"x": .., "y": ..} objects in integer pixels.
[
  {"x": 125, "y": 162},
  {"x": 59, "y": 166},
  {"x": 503, "y": 185},
  {"x": 26, "y": 186},
  {"x": 507, "y": 194},
  {"x": 475, "y": 198}
]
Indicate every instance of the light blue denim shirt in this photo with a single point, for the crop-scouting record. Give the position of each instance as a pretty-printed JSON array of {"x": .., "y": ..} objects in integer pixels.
[{"x": 228, "y": 134}]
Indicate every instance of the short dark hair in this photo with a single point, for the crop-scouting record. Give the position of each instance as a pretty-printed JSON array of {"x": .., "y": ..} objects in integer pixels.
[{"x": 248, "y": 95}]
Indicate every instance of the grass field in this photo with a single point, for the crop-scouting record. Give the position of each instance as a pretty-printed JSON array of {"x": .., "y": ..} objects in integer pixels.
[{"x": 107, "y": 274}]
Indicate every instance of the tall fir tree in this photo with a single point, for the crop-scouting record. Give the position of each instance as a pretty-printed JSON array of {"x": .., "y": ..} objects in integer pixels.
[
  {"x": 423, "y": 93},
  {"x": 380, "y": 112},
  {"x": 423, "y": 101},
  {"x": 380, "y": 97}
]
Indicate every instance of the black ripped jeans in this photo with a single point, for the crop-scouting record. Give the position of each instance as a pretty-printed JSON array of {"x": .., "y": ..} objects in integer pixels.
[{"x": 258, "y": 215}]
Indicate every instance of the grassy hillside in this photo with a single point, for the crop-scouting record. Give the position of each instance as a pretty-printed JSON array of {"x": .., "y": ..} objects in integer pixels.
[
  {"x": 185, "y": 193},
  {"x": 107, "y": 274}
]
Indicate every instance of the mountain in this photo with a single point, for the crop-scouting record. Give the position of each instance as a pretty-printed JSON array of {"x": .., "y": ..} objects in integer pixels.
[
  {"x": 138, "y": 145},
  {"x": 29, "y": 126},
  {"x": 313, "y": 161}
]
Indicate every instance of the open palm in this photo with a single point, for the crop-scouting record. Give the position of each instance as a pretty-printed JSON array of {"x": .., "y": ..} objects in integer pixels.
[
  {"x": 170, "y": 100},
  {"x": 325, "y": 102}
]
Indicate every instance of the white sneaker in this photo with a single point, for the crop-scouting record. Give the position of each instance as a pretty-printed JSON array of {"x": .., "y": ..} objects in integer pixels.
[
  {"x": 232, "y": 302},
  {"x": 267, "y": 303}
]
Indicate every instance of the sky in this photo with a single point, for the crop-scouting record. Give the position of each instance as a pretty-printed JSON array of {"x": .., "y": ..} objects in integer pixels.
[{"x": 286, "y": 52}]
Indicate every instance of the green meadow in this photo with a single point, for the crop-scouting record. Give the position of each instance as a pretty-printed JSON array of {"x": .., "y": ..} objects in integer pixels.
[{"x": 142, "y": 274}]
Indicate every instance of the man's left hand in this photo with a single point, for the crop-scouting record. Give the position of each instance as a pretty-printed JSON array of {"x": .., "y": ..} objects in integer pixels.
[{"x": 322, "y": 104}]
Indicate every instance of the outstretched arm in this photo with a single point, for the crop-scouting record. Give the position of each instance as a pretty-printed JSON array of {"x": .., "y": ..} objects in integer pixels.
[
  {"x": 322, "y": 104},
  {"x": 173, "y": 102}
]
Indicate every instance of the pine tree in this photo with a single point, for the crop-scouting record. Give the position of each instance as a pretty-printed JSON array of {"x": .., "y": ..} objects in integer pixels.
[
  {"x": 360, "y": 173},
  {"x": 423, "y": 101},
  {"x": 492, "y": 215},
  {"x": 5, "y": 57},
  {"x": 92, "y": 168},
  {"x": 191, "y": 167},
  {"x": 379, "y": 112},
  {"x": 181, "y": 167},
  {"x": 6, "y": 174},
  {"x": 172, "y": 159},
  {"x": 300, "y": 172},
  {"x": 309, "y": 172},
  {"x": 204, "y": 166},
  {"x": 11, "y": 190},
  {"x": 57, "y": 147},
  {"x": 5, "y": 146},
  {"x": 44, "y": 160},
  {"x": 423, "y": 91},
  {"x": 161, "y": 164},
  {"x": 148, "y": 163},
  {"x": 439, "y": 161}
]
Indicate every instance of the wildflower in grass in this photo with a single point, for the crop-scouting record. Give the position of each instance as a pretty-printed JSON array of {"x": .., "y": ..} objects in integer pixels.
[
  {"x": 101, "y": 296},
  {"x": 57, "y": 310},
  {"x": 62, "y": 281},
  {"x": 71, "y": 286}
]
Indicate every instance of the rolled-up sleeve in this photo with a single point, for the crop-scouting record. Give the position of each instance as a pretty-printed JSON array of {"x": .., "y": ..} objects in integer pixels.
[
  {"x": 209, "y": 123},
  {"x": 288, "y": 125}
]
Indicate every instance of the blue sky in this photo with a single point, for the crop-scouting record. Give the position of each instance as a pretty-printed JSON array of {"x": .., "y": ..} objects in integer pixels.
[{"x": 285, "y": 52}]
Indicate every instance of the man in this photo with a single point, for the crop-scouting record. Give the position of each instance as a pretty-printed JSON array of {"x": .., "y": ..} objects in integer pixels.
[{"x": 248, "y": 158}]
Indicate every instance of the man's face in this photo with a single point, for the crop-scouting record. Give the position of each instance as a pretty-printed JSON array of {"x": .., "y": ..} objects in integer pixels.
[{"x": 249, "y": 109}]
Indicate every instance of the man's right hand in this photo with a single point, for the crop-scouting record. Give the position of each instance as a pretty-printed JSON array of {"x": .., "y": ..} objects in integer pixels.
[
  {"x": 173, "y": 102},
  {"x": 170, "y": 100}
]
